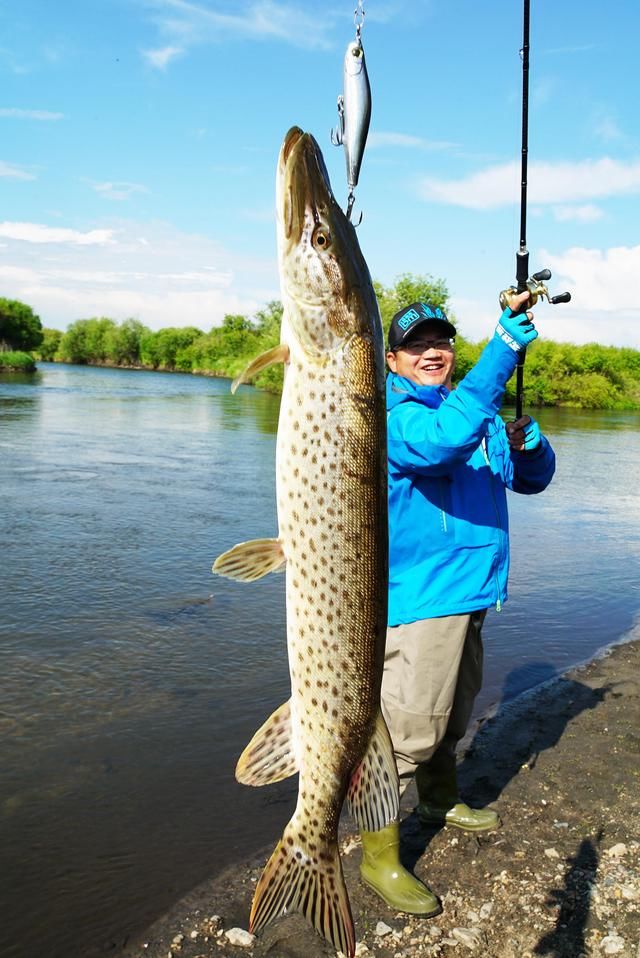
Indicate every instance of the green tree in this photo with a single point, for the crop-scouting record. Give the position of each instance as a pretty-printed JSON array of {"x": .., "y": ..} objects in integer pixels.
[
  {"x": 49, "y": 345},
  {"x": 268, "y": 321},
  {"x": 85, "y": 341},
  {"x": 20, "y": 328},
  {"x": 160, "y": 349},
  {"x": 122, "y": 343}
]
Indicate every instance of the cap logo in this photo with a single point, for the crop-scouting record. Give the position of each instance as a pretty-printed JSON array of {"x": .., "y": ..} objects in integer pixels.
[
  {"x": 408, "y": 318},
  {"x": 430, "y": 313}
]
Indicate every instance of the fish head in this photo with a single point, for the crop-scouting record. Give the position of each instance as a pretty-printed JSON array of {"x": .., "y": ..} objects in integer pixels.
[
  {"x": 326, "y": 289},
  {"x": 354, "y": 59}
]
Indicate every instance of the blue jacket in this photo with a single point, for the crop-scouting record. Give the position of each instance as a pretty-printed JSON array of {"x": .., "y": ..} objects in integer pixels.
[{"x": 449, "y": 467}]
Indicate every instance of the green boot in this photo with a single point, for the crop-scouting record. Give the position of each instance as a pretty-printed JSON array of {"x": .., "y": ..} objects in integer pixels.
[
  {"x": 439, "y": 802},
  {"x": 382, "y": 871}
]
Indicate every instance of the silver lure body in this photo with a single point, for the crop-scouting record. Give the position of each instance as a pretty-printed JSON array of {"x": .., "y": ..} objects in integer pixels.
[{"x": 354, "y": 108}]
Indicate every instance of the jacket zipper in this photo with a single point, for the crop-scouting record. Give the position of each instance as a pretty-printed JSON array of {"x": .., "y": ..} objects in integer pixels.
[
  {"x": 443, "y": 514},
  {"x": 495, "y": 506}
]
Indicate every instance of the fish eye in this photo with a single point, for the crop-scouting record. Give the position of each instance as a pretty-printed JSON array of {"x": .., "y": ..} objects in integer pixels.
[
  {"x": 321, "y": 238},
  {"x": 357, "y": 51}
]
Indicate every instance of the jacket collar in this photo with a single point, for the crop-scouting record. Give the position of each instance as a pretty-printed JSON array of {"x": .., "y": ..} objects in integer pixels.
[{"x": 400, "y": 389}]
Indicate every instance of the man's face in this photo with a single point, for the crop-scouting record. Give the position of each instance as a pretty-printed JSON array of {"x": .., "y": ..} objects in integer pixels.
[{"x": 427, "y": 358}]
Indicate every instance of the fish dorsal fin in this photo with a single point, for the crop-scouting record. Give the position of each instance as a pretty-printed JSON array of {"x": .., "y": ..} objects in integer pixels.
[
  {"x": 250, "y": 560},
  {"x": 374, "y": 792},
  {"x": 279, "y": 354},
  {"x": 269, "y": 755}
]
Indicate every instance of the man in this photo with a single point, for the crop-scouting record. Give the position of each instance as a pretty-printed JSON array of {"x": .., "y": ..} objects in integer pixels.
[{"x": 451, "y": 459}]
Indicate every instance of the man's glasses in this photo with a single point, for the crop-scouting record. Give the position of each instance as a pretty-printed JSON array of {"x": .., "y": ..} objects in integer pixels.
[{"x": 418, "y": 346}]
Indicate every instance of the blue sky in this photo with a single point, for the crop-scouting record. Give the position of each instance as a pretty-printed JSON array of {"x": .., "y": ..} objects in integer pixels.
[{"x": 139, "y": 138}]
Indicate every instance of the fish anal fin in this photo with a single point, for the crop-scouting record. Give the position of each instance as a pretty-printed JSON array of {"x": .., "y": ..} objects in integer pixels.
[
  {"x": 279, "y": 354},
  {"x": 249, "y": 561},
  {"x": 374, "y": 794},
  {"x": 310, "y": 882},
  {"x": 269, "y": 755}
]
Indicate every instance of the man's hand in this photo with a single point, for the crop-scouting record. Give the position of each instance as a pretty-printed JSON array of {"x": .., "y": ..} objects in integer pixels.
[
  {"x": 517, "y": 329},
  {"x": 523, "y": 434}
]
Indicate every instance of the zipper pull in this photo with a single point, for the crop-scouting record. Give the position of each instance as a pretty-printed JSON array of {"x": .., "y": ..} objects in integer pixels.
[{"x": 498, "y": 606}]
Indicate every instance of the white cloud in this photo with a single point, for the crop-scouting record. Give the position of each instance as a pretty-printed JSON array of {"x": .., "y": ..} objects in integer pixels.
[
  {"x": 548, "y": 183},
  {"x": 118, "y": 191},
  {"x": 15, "y": 172},
  {"x": 148, "y": 270},
  {"x": 580, "y": 214},
  {"x": 160, "y": 59},
  {"x": 379, "y": 138},
  {"x": 604, "y": 299},
  {"x": 600, "y": 280},
  {"x": 30, "y": 114},
  {"x": 38, "y": 233},
  {"x": 187, "y": 23}
]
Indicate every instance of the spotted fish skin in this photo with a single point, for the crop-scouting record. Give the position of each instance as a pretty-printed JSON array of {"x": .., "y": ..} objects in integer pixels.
[{"x": 332, "y": 515}]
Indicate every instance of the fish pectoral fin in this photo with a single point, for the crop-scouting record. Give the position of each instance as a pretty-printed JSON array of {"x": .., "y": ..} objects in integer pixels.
[
  {"x": 279, "y": 354},
  {"x": 298, "y": 878},
  {"x": 374, "y": 791},
  {"x": 251, "y": 560},
  {"x": 269, "y": 755}
]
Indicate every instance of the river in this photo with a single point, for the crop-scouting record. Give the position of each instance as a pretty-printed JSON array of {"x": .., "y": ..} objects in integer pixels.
[{"x": 131, "y": 678}]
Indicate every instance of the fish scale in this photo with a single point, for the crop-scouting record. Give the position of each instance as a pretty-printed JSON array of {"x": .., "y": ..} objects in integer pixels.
[{"x": 332, "y": 540}]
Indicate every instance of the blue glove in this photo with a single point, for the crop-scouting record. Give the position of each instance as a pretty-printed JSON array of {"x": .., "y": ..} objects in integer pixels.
[
  {"x": 516, "y": 330},
  {"x": 532, "y": 435},
  {"x": 524, "y": 434}
]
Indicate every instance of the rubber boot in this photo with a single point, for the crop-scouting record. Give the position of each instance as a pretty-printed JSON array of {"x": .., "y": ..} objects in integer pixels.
[
  {"x": 439, "y": 802},
  {"x": 382, "y": 871}
]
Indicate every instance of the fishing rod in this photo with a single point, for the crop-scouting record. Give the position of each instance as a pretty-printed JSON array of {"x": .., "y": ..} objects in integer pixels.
[
  {"x": 354, "y": 108},
  {"x": 535, "y": 283}
]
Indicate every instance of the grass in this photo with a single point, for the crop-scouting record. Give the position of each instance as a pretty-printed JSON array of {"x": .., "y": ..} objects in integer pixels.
[{"x": 17, "y": 362}]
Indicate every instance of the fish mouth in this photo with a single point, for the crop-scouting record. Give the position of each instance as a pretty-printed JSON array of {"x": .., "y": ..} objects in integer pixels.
[{"x": 304, "y": 191}]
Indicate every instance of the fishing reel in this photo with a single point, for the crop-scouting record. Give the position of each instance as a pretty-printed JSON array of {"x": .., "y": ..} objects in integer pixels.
[{"x": 535, "y": 284}]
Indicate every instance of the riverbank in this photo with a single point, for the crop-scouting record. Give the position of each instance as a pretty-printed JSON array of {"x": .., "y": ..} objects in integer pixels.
[{"x": 561, "y": 877}]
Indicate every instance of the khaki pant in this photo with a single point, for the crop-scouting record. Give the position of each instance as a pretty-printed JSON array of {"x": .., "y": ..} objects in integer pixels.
[{"x": 432, "y": 674}]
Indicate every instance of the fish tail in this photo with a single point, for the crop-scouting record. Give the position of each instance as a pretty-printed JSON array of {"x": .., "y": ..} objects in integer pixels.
[{"x": 297, "y": 879}]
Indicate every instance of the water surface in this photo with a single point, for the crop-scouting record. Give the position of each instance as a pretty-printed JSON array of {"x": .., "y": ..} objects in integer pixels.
[{"x": 131, "y": 678}]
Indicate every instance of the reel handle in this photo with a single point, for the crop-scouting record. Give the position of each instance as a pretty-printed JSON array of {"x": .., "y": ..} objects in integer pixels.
[
  {"x": 542, "y": 276},
  {"x": 560, "y": 298}
]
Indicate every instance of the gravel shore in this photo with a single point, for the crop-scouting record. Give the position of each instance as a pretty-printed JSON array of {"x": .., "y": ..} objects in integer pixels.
[{"x": 560, "y": 878}]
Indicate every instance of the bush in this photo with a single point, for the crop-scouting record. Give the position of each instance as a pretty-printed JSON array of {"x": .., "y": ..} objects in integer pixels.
[{"x": 16, "y": 361}]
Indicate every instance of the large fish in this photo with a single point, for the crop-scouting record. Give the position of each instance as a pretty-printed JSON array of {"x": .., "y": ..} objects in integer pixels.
[{"x": 332, "y": 515}]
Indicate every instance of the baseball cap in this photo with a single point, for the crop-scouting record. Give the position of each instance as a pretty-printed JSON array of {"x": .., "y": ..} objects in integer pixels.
[{"x": 410, "y": 317}]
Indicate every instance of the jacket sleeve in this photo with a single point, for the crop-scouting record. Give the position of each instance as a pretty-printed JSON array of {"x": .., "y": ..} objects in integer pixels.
[
  {"x": 432, "y": 441},
  {"x": 525, "y": 472}
]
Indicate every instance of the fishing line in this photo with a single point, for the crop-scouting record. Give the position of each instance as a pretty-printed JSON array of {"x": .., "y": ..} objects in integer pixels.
[{"x": 534, "y": 284}]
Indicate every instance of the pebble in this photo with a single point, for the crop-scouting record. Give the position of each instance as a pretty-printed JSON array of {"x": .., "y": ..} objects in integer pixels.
[
  {"x": 240, "y": 937},
  {"x": 617, "y": 851},
  {"x": 612, "y": 944},
  {"x": 631, "y": 894},
  {"x": 382, "y": 929},
  {"x": 486, "y": 909},
  {"x": 551, "y": 853},
  {"x": 469, "y": 937}
]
